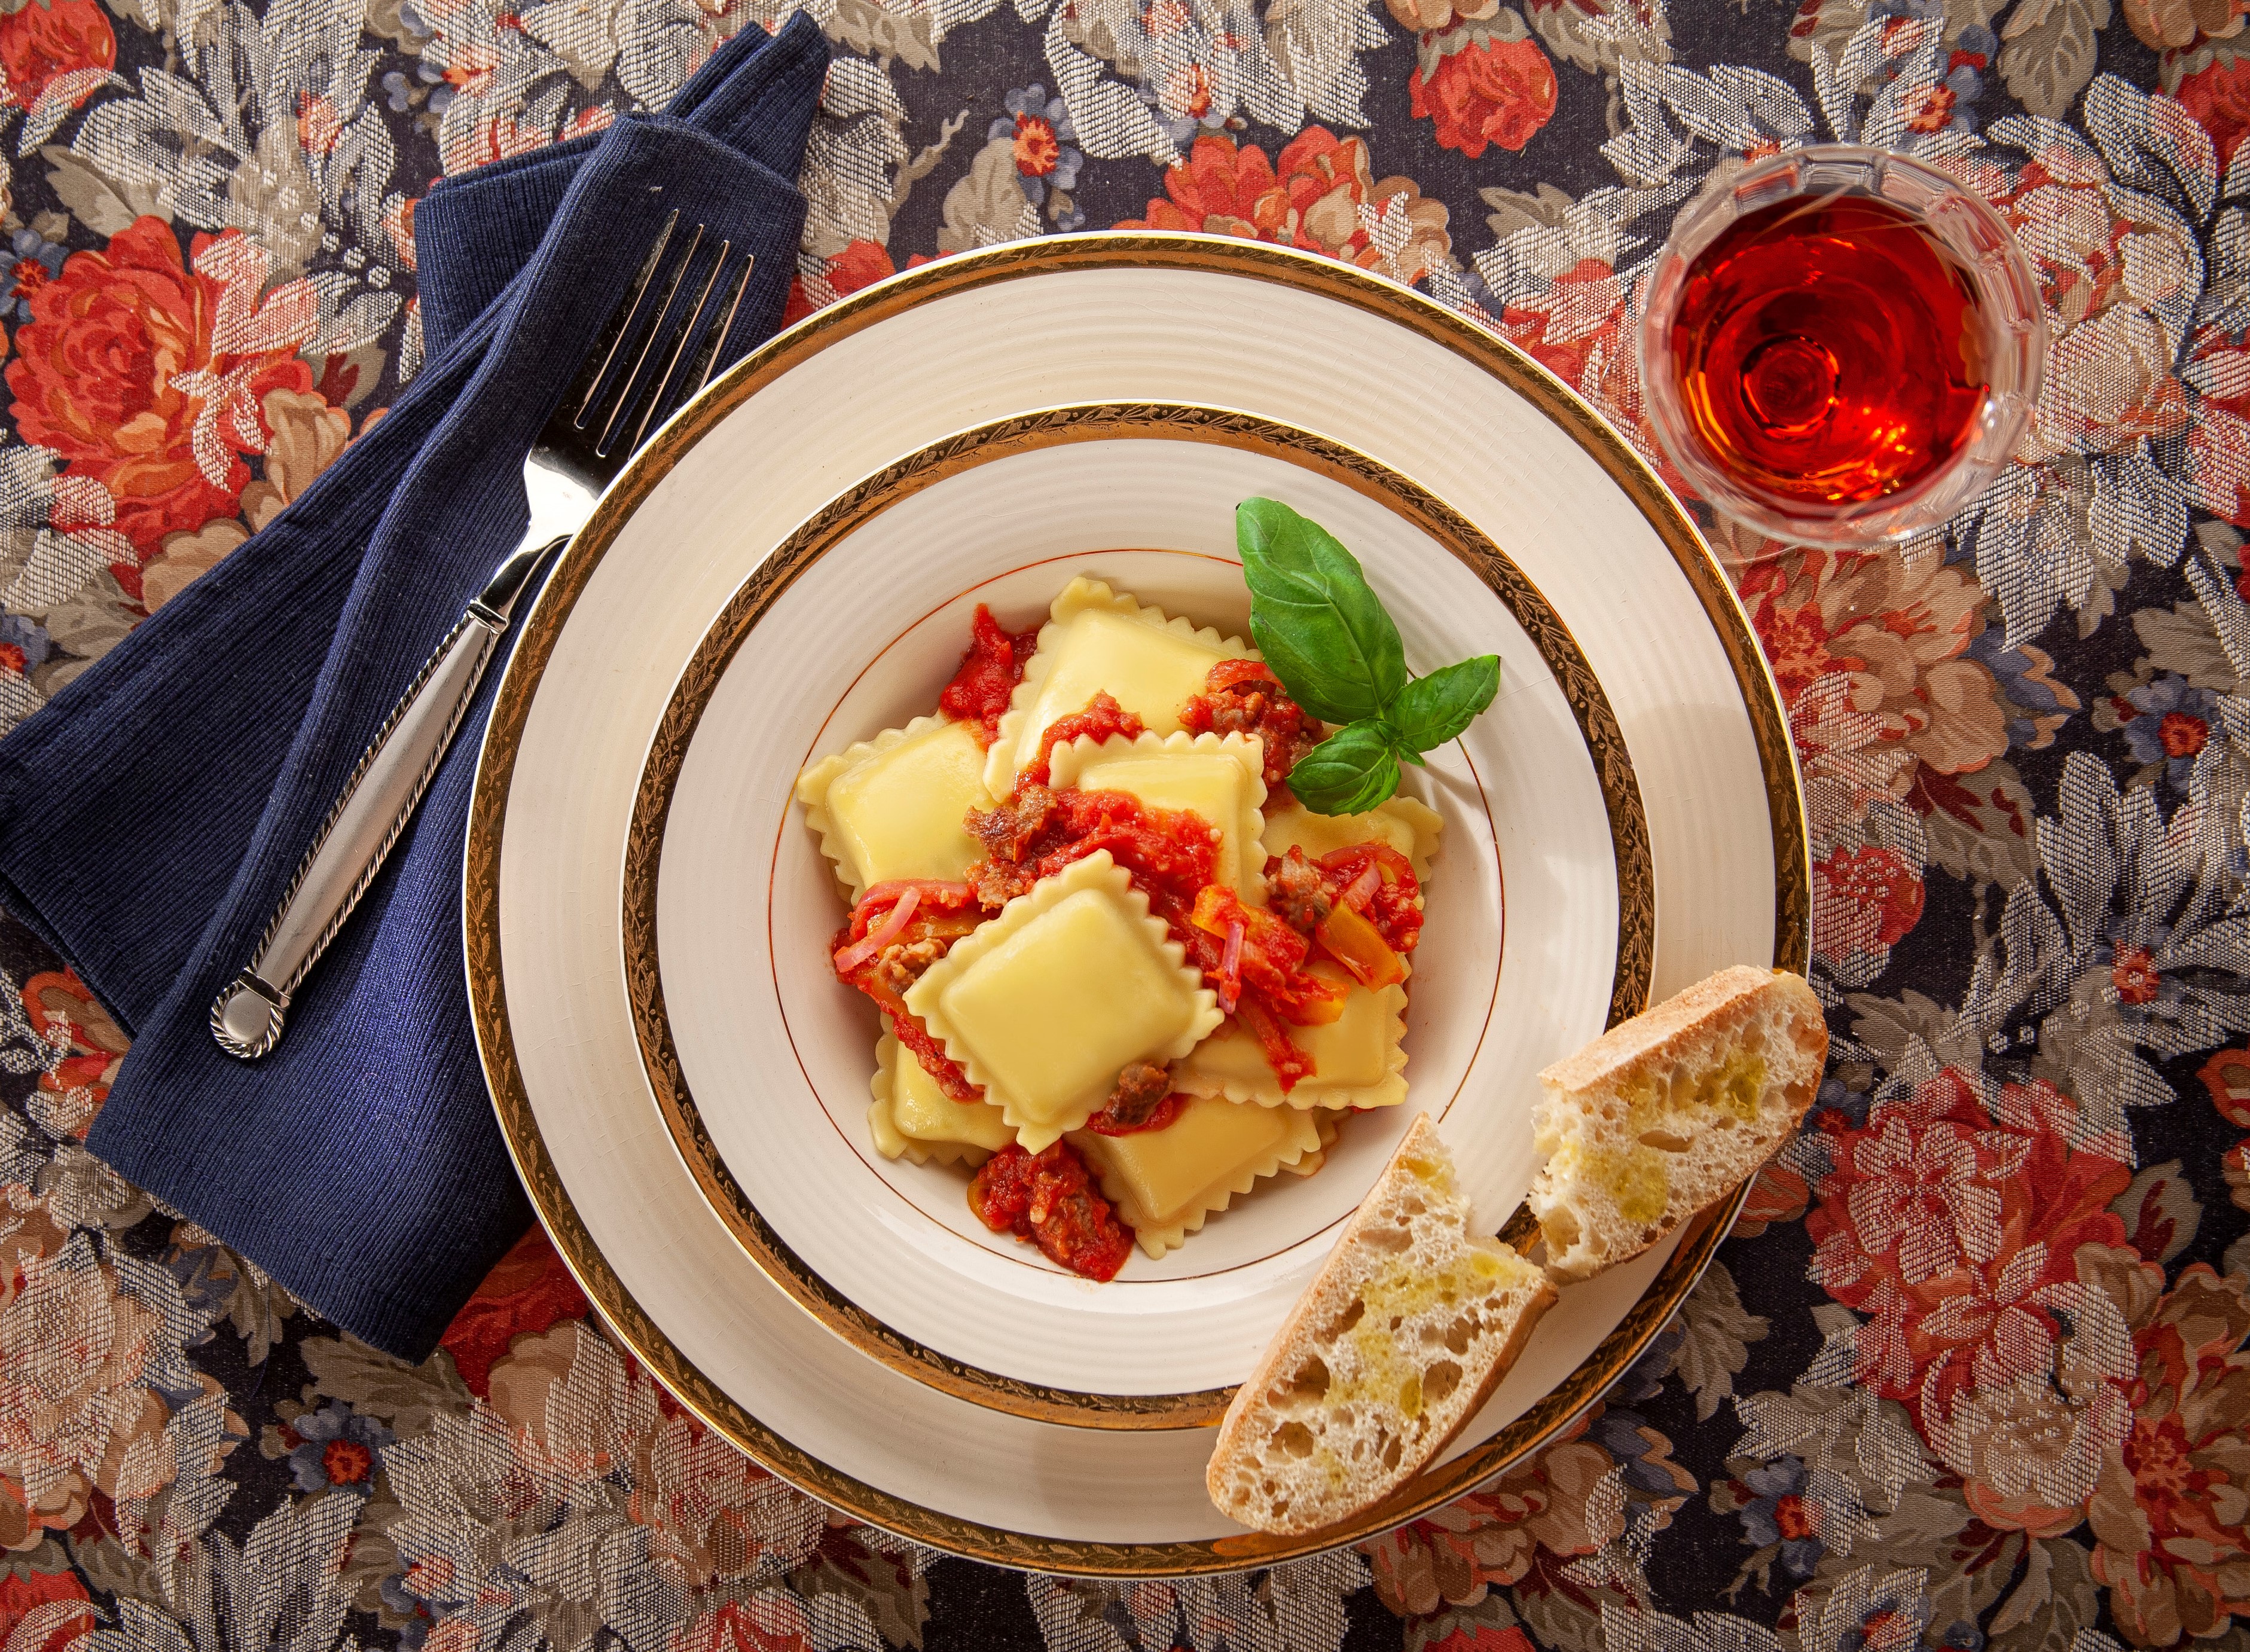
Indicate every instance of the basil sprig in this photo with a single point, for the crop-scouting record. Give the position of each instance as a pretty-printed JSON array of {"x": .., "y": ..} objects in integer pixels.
[{"x": 1325, "y": 635}]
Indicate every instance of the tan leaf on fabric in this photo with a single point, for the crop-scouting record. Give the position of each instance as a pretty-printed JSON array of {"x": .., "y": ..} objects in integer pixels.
[
  {"x": 308, "y": 436},
  {"x": 2050, "y": 50},
  {"x": 2160, "y": 1212},
  {"x": 406, "y": 1397},
  {"x": 104, "y": 204},
  {"x": 278, "y": 201},
  {"x": 2056, "y": 1599},
  {"x": 986, "y": 205},
  {"x": 2180, "y": 639},
  {"x": 185, "y": 555},
  {"x": 87, "y": 625},
  {"x": 889, "y": 1588},
  {"x": 1717, "y": 1332}
]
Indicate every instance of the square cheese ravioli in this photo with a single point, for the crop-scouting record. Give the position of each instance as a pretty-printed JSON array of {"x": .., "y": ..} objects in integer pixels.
[
  {"x": 1044, "y": 1005},
  {"x": 914, "y": 1118},
  {"x": 891, "y": 807},
  {"x": 1101, "y": 641},
  {"x": 1165, "y": 1182},
  {"x": 1359, "y": 1059},
  {"x": 1220, "y": 779}
]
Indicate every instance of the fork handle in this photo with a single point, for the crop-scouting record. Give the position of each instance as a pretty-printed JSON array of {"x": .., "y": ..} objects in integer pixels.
[{"x": 369, "y": 816}]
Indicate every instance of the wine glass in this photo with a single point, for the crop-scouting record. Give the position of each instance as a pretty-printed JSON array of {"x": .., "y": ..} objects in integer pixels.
[{"x": 1841, "y": 346}]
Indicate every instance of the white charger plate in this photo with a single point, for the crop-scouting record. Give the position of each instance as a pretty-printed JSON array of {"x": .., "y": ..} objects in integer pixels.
[
  {"x": 966, "y": 342},
  {"x": 760, "y": 1060}
]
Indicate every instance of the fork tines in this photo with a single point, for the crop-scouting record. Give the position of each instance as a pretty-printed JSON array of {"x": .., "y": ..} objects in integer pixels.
[{"x": 676, "y": 312}]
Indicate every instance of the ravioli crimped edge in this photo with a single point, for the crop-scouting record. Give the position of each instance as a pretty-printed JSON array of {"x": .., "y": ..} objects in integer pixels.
[
  {"x": 1082, "y": 593},
  {"x": 1389, "y": 1090},
  {"x": 1159, "y": 1241},
  {"x": 1097, "y": 871},
  {"x": 812, "y": 784},
  {"x": 883, "y": 1125}
]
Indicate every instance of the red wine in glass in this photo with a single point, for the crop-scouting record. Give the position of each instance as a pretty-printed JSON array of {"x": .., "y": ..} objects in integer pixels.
[{"x": 1828, "y": 360}]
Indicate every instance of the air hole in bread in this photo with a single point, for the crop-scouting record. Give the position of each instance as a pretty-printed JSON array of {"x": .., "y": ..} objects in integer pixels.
[
  {"x": 1393, "y": 1241},
  {"x": 1665, "y": 1140},
  {"x": 1439, "y": 1380},
  {"x": 1560, "y": 1224},
  {"x": 1402, "y": 1358}
]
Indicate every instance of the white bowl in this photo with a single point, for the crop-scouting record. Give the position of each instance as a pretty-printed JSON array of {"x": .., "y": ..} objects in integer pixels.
[{"x": 773, "y": 1054}]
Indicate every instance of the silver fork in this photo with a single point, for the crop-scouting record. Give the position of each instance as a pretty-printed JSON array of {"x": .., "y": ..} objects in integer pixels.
[{"x": 630, "y": 383}]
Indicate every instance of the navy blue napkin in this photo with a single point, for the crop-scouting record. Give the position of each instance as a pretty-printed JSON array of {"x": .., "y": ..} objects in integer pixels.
[{"x": 359, "y": 1164}]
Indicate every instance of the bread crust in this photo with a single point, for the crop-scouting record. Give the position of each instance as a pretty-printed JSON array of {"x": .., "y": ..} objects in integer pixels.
[
  {"x": 1770, "y": 1012},
  {"x": 1329, "y": 1296},
  {"x": 1662, "y": 1029}
]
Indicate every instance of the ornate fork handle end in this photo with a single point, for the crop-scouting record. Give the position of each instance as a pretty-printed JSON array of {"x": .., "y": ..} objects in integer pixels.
[{"x": 246, "y": 1018}]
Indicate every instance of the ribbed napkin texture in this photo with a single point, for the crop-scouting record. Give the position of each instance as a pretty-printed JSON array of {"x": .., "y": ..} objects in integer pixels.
[{"x": 152, "y": 815}]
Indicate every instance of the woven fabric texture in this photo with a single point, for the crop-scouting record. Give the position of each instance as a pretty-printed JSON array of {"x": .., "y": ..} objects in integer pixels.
[{"x": 1971, "y": 1372}]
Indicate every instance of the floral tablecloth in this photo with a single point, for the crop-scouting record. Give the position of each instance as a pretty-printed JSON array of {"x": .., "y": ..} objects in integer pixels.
[{"x": 1971, "y": 1375}]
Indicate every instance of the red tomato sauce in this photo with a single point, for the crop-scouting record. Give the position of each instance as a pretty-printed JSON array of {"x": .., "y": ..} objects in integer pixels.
[
  {"x": 1048, "y": 1197},
  {"x": 989, "y": 673},
  {"x": 1169, "y": 853},
  {"x": 1241, "y": 696},
  {"x": 1102, "y": 717},
  {"x": 943, "y": 914}
]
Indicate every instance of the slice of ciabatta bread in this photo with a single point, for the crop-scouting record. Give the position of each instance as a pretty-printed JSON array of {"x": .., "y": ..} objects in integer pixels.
[
  {"x": 1400, "y": 1337},
  {"x": 1665, "y": 1114}
]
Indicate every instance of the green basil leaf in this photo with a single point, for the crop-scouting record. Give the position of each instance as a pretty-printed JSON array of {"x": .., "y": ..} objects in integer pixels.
[
  {"x": 1431, "y": 710},
  {"x": 1322, "y": 631},
  {"x": 1350, "y": 771}
]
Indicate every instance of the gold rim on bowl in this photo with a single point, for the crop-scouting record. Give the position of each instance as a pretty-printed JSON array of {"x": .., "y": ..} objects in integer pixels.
[
  {"x": 630, "y": 1323},
  {"x": 848, "y": 512}
]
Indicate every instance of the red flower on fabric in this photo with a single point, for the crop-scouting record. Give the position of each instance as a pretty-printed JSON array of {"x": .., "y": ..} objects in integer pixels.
[
  {"x": 1956, "y": 1227},
  {"x": 1036, "y": 147},
  {"x": 318, "y": 126},
  {"x": 89, "y": 1045},
  {"x": 123, "y": 371},
  {"x": 527, "y": 1292},
  {"x": 2183, "y": 735},
  {"x": 53, "y": 1604},
  {"x": 346, "y": 1462},
  {"x": 1483, "y": 83},
  {"x": 1863, "y": 900},
  {"x": 1933, "y": 109},
  {"x": 772, "y": 1621},
  {"x": 44, "y": 40},
  {"x": 2172, "y": 1534},
  {"x": 1581, "y": 315},
  {"x": 2218, "y": 97},
  {"x": 2134, "y": 975},
  {"x": 1311, "y": 197},
  {"x": 860, "y": 263}
]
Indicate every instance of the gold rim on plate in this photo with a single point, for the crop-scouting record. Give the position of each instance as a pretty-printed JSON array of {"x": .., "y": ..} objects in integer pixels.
[
  {"x": 855, "y": 508},
  {"x": 543, "y": 626}
]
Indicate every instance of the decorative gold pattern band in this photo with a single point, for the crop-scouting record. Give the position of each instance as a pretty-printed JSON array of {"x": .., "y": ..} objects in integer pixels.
[
  {"x": 487, "y": 990},
  {"x": 1028, "y": 432}
]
